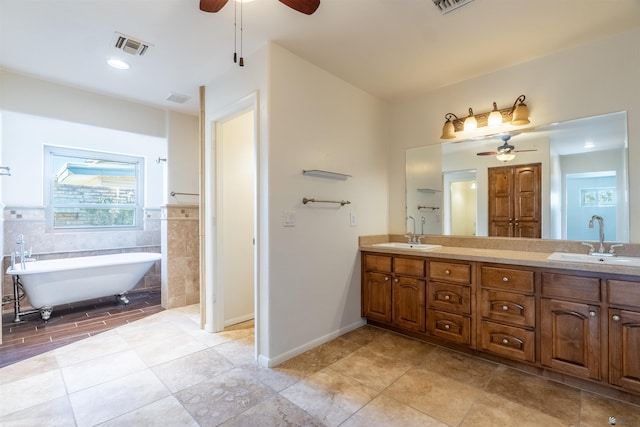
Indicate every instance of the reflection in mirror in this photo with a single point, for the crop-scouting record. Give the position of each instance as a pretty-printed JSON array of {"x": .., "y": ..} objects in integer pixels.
[{"x": 583, "y": 173}]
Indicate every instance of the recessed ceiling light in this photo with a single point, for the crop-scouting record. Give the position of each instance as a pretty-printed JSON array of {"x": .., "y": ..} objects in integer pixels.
[{"x": 118, "y": 63}]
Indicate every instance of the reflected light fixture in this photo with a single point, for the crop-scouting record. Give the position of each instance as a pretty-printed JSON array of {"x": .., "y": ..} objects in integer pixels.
[
  {"x": 505, "y": 157},
  {"x": 517, "y": 115}
]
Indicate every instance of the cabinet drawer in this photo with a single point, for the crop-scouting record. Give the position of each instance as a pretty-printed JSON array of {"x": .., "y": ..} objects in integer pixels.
[
  {"x": 514, "y": 343},
  {"x": 624, "y": 292},
  {"x": 410, "y": 267},
  {"x": 571, "y": 287},
  {"x": 517, "y": 309},
  {"x": 450, "y": 298},
  {"x": 377, "y": 263},
  {"x": 507, "y": 278},
  {"x": 449, "y": 326},
  {"x": 450, "y": 272}
]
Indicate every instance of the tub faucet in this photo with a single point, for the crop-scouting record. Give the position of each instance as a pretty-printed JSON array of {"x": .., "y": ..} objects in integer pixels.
[
  {"x": 24, "y": 255},
  {"x": 601, "y": 231}
]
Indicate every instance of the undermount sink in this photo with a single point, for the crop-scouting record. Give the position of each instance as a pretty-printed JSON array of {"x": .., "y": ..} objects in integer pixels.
[
  {"x": 412, "y": 246},
  {"x": 595, "y": 259}
]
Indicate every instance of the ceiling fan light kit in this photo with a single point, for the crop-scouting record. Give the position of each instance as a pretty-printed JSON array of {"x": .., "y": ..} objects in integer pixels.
[{"x": 516, "y": 115}]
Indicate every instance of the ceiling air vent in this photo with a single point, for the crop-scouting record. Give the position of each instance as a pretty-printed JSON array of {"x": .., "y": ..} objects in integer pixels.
[
  {"x": 129, "y": 45},
  {"x": 178, "y": 98},
  {"x": 447, "y": 6}
]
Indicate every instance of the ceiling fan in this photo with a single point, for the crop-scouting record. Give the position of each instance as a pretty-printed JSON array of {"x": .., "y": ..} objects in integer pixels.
[
  {"x": 504, "y": 152},
  {"x": 303, "y": 6}
]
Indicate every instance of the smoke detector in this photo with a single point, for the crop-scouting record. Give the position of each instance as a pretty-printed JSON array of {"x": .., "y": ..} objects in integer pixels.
[
  {"x": 130, "y": 45},
  {"x": 447, "y": 6}
]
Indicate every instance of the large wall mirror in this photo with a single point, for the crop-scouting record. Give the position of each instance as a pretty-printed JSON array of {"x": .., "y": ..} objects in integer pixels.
[{"x": 581, "y": 167}]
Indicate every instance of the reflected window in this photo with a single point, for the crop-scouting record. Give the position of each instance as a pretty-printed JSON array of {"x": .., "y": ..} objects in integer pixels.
[{"x": 92, "y": 190}]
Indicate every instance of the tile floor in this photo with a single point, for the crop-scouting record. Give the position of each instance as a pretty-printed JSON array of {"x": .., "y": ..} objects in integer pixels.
[{"x": 164, "y": 371}]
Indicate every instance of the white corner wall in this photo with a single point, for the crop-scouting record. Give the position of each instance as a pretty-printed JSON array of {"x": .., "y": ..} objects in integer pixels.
[
  {"x": 309, "y": 275},
  {"x": 597, "y": 78}
]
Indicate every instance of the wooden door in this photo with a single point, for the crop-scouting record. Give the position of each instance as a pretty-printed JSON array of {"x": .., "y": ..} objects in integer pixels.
[
  {"x": 501, "y": 201},
  {"x": 515, "y": 201},
  {"x": 570, "y": 337},
  {"x": 624, "y": 348},
  {"x": 377, "y": 296},
  {"x": 409, "y": 303}
]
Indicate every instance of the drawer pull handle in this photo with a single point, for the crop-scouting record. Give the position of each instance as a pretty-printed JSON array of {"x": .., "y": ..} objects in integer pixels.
[
  {"x": 505, "y": 341},
  {"x": 447, "y": 326},
  {"x": 616, "y": 318},
  {"x": 447, "y": 272},
  {"x": 447, "y": 297},
  {"x": 505, "y": 279},
  {"x": 592, "y": 313},
  {"x": 505, "y": 308}
]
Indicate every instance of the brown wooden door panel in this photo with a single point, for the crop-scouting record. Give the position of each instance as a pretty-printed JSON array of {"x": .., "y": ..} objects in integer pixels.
[
  {"x": 409, "y": 303},
  {"x": 624, "y": 349},
  {"x": 570, "y": 337},
  {"x": 377, "y": 297}
]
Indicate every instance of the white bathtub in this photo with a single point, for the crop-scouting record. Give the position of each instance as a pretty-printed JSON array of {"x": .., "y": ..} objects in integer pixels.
[{"x": 63, "y": 281}]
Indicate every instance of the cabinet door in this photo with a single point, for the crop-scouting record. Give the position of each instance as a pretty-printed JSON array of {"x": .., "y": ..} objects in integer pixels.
[
  {"x": 624, "y": 347},
  {"x": 377, "y": 296},
  {"x": 409, "y": 298},
  {"x": 570, "y": 337}
]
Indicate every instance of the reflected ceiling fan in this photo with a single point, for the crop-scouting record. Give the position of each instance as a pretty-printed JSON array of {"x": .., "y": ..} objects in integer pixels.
[
  {"x": 505, "y": 152},
  {"x": 303, "y": 6}
]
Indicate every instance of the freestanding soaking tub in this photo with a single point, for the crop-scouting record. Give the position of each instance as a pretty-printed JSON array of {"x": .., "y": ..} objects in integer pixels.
[{"x": 63, "y": 281}]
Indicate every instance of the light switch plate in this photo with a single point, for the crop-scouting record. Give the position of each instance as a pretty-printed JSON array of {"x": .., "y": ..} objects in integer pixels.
[
  {"x": 353, "y": 219},
  {"x": 289, "y": 218}
]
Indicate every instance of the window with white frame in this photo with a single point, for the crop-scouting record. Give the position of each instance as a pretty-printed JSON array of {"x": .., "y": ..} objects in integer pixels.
[{"x": 92, "y": 190}]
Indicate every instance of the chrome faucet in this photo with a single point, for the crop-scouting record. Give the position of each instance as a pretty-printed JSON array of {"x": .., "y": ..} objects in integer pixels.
[
  {"x": 412, "y": 238},
  {"x": 601, "y": 230},
  {"x": 24, "y": 255}
]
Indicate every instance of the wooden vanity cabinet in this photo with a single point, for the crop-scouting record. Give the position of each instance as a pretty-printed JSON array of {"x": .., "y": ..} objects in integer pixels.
[
  {"x": 508, "y": 312},
  {"x": 450, "y": 301},
  {"x": 570, "y": 319},
  {"x": 394, "y": 291},
  {"x": 624, "y": 334},
  {"x": 376, "y": 287}
]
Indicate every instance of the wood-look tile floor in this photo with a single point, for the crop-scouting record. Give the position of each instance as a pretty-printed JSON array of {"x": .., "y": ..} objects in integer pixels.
[{"x": 70, "y": 323}]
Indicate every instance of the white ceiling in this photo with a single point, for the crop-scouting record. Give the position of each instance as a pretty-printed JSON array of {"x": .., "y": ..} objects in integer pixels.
[{"x": 389, "y": 48}]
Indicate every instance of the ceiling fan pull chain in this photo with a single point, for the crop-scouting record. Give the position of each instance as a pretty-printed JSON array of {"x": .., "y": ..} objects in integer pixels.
[
  {"x": 235, "y": 32},
  {"x": 241, "y": 28}
]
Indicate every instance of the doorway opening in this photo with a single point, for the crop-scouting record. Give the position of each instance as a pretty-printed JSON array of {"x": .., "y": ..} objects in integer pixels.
[{"x": 460, "y": 203}]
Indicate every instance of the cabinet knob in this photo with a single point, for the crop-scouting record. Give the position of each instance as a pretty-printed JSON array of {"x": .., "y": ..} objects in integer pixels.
[
  {"x": 447, "y": 326},
  {"x": 505, "y": 341},
  {"x": 505, "y": 308},
  {"x": 447, "y": 297},
  {"x": 386, "y": 277},
  {"x": 505, "y": 279},
  {"x": 395, "y": 280},
  {"x": 592, "y": 313},
  {"x": 616, "y": 318},
  {"x": 447, "y": 272}
]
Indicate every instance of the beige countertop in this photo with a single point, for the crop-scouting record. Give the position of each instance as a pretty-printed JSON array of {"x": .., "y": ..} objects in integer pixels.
[{"x": 502, "y": 256}]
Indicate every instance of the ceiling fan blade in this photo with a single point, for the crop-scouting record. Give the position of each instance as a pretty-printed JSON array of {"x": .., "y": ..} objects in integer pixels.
[
  {"x": 303, "y": 6},
  {"x": 212, "y": 5},
  {"x": 487, "y": 153},
  {"x": 522, "y": 151}
]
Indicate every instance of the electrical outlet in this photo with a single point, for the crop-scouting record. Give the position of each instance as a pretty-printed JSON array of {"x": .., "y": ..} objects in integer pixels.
[{"x": 353, "y": 219}]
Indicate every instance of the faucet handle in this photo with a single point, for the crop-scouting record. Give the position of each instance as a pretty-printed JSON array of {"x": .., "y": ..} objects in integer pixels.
[
  {"x": 612, "y": 248},
  {"x": 409, "y": 238},
  {"x": 591, "y": 248},
  {"x": 419, "y": 239}
]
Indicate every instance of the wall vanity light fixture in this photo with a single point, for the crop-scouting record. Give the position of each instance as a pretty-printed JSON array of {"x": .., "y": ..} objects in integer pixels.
[{"x": 516, "y": 115}]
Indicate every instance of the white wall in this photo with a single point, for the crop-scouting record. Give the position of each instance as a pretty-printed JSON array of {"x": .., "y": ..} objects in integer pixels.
[
  {"x": 593, "y": 79},
  {"x": 309, "y": 278},
  {"x": 237, "y": 174}
]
